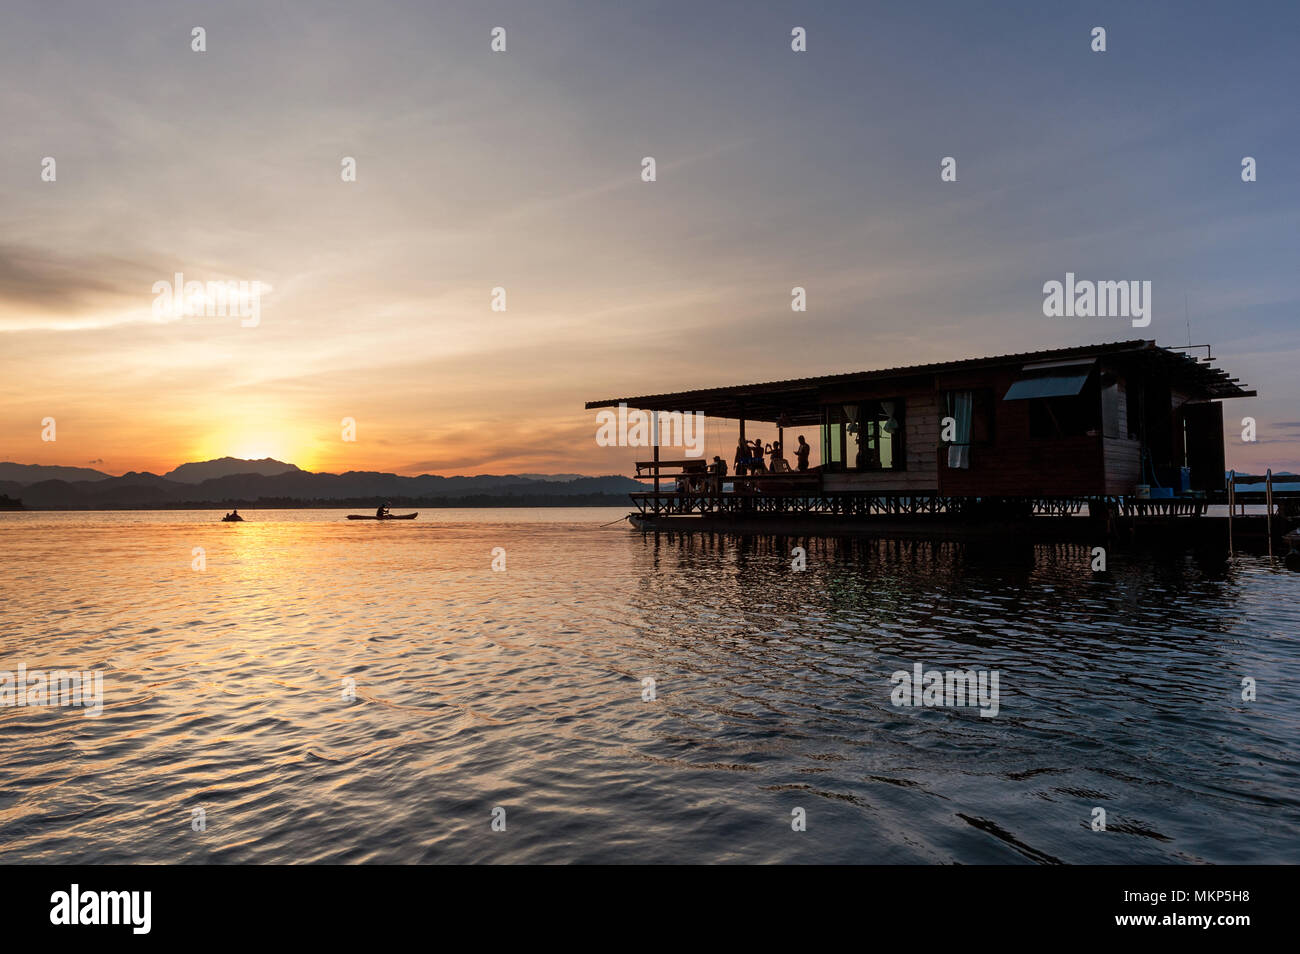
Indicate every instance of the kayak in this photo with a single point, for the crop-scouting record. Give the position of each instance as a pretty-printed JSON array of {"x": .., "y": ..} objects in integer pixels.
[{"x": 398, "y": 516}]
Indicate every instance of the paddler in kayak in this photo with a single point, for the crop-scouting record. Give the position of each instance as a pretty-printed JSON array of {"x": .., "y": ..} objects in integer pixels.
[{"x": 382, "y": 512}]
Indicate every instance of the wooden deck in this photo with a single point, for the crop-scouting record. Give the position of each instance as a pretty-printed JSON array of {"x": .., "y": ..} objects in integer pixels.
[
  {"x": 811, "y": 502},
  {"x": 797, "y": 500}
]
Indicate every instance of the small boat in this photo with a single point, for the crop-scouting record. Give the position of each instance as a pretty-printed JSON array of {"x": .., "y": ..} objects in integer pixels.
[
  {"x": 232, "y": 518},
  {"x": 391, "y": 516}
]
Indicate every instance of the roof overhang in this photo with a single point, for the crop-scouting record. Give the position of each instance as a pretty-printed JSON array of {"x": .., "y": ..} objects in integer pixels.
[{"x": 799, "y": 400}]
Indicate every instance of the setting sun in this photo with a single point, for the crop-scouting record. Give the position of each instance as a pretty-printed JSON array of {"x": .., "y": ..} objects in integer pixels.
[{"x": 256, "y": 447}]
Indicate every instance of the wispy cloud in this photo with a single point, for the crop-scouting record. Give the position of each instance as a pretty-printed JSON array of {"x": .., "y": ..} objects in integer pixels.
[{"x": 523, "y": 171}]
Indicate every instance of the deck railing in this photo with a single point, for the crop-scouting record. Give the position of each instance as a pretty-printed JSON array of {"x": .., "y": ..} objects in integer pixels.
[
  {"x": 1239, "y": 498},
  {"x": 744, "y": 502},
  {"x": 804, "y": 492}
]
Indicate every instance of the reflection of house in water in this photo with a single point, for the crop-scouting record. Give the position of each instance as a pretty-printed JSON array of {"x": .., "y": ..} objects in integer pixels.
[{"x": 1123, "y": 430}]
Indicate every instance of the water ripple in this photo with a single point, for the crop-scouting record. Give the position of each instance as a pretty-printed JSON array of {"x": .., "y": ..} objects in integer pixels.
[{"x": 330, "y": 692}]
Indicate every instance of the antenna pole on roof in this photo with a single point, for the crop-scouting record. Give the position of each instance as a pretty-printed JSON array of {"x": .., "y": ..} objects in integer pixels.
[{"x": 1187, "y": 317}]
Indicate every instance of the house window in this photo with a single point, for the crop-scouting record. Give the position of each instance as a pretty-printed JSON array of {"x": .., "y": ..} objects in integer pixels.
[
  {"x": 864, "y": 436},
  {"x": 975, "y": 406},
  {"x": 1061, "y": 399},
  {"x": 971, "y": 425},
  {"x": 1114, "y": 419},
  {"x": 832, "y": 439},
  {"x": 1056, "y": 417},
  {"x": 874, "y": 435},
  {"x": 1133, "y": 402},
  {"x": 981, "y": 423}
]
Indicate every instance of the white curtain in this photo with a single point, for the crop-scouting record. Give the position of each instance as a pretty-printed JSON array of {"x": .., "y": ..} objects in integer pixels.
[
  {"x": 853, "y": 437},
  {"x": 891, "y": 423},
  {"x": 960, "y": 404}
]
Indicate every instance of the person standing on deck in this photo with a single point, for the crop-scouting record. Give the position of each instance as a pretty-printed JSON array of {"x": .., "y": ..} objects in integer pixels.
[
  {"x": 717, "y": 471},
  {"x": 801, "y": 452},
  {"x": 742, "y": 457},
  {"x": 778, "y": 464}
]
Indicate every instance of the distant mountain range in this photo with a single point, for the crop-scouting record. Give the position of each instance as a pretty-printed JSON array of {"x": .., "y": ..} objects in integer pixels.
[
  {"x": 30, "y": 473},
  {"x": 272, "y": 483}
]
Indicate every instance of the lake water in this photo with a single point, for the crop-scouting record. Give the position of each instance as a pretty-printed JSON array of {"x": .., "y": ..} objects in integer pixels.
[{"x": 523, "y": 689}]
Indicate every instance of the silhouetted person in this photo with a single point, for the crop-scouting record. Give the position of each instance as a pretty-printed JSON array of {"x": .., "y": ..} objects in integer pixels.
[
  {"x": 801, "y": 453},
  {"x": 717, "y": 471},
  {"x": 742, "y": 457},
  {"x": 382, "y": 512},
  {"x": 692, "y": 479}
]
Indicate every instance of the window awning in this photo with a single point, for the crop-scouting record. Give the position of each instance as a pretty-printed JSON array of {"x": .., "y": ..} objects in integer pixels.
[{"x": 1042, "y": 382}]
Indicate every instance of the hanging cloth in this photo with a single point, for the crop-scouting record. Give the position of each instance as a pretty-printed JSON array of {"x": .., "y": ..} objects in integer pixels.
[{"x": 960, "y": 405}]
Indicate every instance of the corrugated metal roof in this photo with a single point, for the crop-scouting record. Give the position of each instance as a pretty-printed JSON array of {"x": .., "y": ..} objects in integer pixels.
[
  {"x": 900, "y": 371},
  {"x": 1215, "y": 381}
]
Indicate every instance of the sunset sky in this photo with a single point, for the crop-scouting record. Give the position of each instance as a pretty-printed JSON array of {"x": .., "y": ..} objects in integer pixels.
[{"x": 523, "y": 170}]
